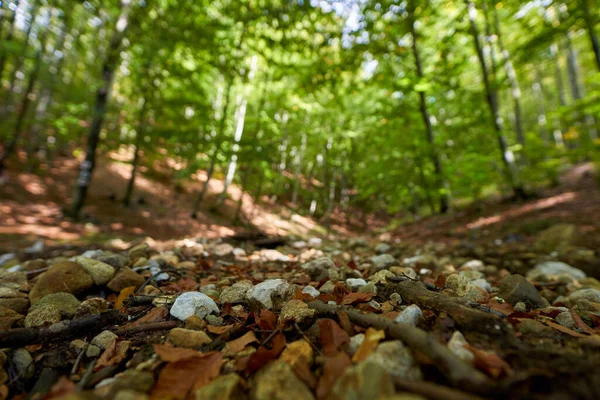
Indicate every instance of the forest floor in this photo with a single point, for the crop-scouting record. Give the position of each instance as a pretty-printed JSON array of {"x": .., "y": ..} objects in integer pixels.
[{"x": 499, "y": 300}]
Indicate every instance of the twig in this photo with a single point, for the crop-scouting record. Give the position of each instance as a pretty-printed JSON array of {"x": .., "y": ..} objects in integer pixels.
[
  {"x": 454, "y": 369},
  {"x": 305, "y": 337},
  {"x": 268, "y": 339},
  {"x": 79, "y": 357},
  {"x": 64, "y": 330},
  {"x": 86, "y": 376},
  {"x": 483, "y": 308},
  {"x": 150, "y": 326}
]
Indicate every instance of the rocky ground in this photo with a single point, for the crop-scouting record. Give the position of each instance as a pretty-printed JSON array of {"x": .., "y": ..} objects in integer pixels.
[{"x": 222, "y": 319}]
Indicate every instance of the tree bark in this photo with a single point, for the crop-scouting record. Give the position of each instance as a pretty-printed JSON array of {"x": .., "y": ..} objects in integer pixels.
[
  {"x": 589, "y": 26},
  {"x": 9, "y": 37},
  {"x": 137, "y": 150},
  {"x": 10, "y": 147},
  {"x": 508, "y": 159},
  {"x": 513, "y": 80},
  {"x": 560, "y": 88},
  {"x": 435, "y": 158},
  {"x": 102, "y": 97}
]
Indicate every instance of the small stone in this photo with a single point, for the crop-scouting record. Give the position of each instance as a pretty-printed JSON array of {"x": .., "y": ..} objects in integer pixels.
[
  {"x": 65, "y": 302},
  {"x": 315, "y": 242},
  {"x": 521, "y": 307},
  {"x": 92, "y": 306},
  {"x": 297, "y": 311},
  {"x": 134, "y": 380},
  {"x": 93, "y": 351},
  {"x": 457, "y": 344},
  {"x": 8, "y": 318},
  {"x": 471, "y": 275},
  {"x": 125, "y": 278},
  {"x": 368, "y": 288},
  {"x": 104, "y": 339},
  {"x": 355, "y": 342},
  {"x": 77, "y": 345},
  {"x": 195, "y": 323},
  {"x": 23, "y": 364},
  {"x": 13, "y": 280},
  {"x": 127, "y": 394},
  {"x": 188, "y": 338},
  {"x": 383, "y": 261},
  {"x": 592, "y": 295},
  {"x": 44, "y": 315},
  {"x": 566, "y": 319},
  {"x": 270, "y": 255},
  {"x": 236, "y": 292},
  {"x": 65, "y": 276},
  {"x": 214, "y": 320},
  {"x": 411, "y": 315},
  {"x": 458, "y": 284},
  {"x": 396, "y": 360},
  {"x": 224, "y": 387},
  {"x": 381, "y": 277},
  {"x": 222, "y": 250},
  {"x": 298, "y": 352},
  {"x": 100, "y": 272},
  {"x": 314, "y": 293},
  {"x": 318, "y": 269},
  {"x": 14, "y": 299},
  {"x": 277, "y": 381},
  {"x": 139, "y": 251},
  {"x": 515, "y": 288},
  {"x": 327, "y": 287},
  {"x": 193, "y": 303},
  {"x": 367, "y": 380},
  {"x": 264, "y": 292},
  {"x": 354, "y": 284},
  {"x": 116, "y": 261},
  {"x": 529, "y": 326},
  {"x": 382, "y": 248},
  {"x": 482, "y": 284},
  {"x": 554, "y": 270},
  {"x": 474, "y": 265},
  {"x": 404, "y": 272},
  {"x": 396, "y": 299}
]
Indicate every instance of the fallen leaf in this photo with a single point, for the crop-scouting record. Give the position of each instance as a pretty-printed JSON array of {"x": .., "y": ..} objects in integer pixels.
[
  {"x": 581, "y": 324},
  {"x": 372, "y": 338},
  {"x": 62, "y": 388},
  {"x": 333, "y": 368},
  {"x": 263, "y": 355},
  {"x": 332, "y": 336},
  {"x": 505, "y": 308},
  {"x": 114, "y": 354},
  {"x": 340, "y": 291},
  {"x": 171, "y": 354},
  {"x": 240, "y": 343},
  {"x": 564, "y": 329},
  {"x": 267, "y": 320},
  {"x": 302, "y": 296},
  {"x": 125, "y": 293},
  {"x": 177, "y": 378},
  {"x": 298, "y": 352},
  {"x": 218, "y": 330},
  {"x": 489, "y": 362},
  {"x": 158, "y": 314},
  {"x": 356, "y": 297},
  {"x": 345, "y": 322}
]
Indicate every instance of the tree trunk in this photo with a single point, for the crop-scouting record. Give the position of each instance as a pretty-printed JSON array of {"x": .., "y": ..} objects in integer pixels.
[
  {"x": 9, "y": 37},
  {"x": 435, "y": 158},
  {"x": 513, "y": 80},
  {"x": 10, "y": 147},
  {"x": 20, "y": 60},
  {"x": 560, "y": 88},
  {"x": 137, "y": 150},
  {"x": 102, "y": 97},
  {"x": 541, "y": 109},
  {"x": 589, "y": 26},
  {"x": 508, "y": 159},
  {"x": 299, "y": 162}
]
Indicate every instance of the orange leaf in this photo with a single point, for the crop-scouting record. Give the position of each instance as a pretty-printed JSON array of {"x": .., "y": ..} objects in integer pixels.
[
  {"x": 504, "y": 308},
  {"x": 332, "y": 336},
  {"x": 581, "y": 324},
  {"x": 115, "y": 353},
  {"x": 356, "y": 297},
  {"x": 332, "y": 369},
  {"x": 178, "y": 378},
  {"x": 240, "y": 343},
  {"x": 218, "y": 330},
  {"x": 564, "y": 329},
  {"x": 372, "y": 338},
  {"x": 490, "y": 363},
  {"x": 263, "y": 355},
  {"x": 267, "y": 320},
  {"x": 171, "y": 354},
  {"x": 125, "y": 293},
  {"x": 155, "y": 315}
]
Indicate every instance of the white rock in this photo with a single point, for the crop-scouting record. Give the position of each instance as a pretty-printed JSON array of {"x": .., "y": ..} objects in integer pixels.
[
  {"x": 263, "y": 291},
  {"x": 270, "y": 255},
  {"x": 355, "y": 342},
  {"x": 382, "y": 248},
  {"x": 312, "y": 291},
  {"x": 4, "y": 258},
  {"x": 222, "y": 250},
  {"x": 355, "y": 283},
  {"x": 411, "y": 315},
  {"x": 239, "y": 252},
  {"x": 413, "y": 260},
  {"x": 383, "y": 261},
  {"x": 482, "y": 283},
  {"x": 456, "y": 345},
  {"x": 397, "y": 360},
  {"x": 475, "y": 265},
  {"x": 300, "y": 244},
  {"x": 555, "y": 269},
  {"x": 91, "y": 253},
  {"x": 589, "y": 294},
  {"x": 315, "y": 242},
  {"x": 156, "y": 271},
  {"x": 193, "y": 303}
]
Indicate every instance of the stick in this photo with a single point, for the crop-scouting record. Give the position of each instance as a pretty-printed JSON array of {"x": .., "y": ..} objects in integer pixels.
[
  {"x": 454, "y": 369},
  {"x": 60, "y": 331},
  {"x": 147, "y": 327}
]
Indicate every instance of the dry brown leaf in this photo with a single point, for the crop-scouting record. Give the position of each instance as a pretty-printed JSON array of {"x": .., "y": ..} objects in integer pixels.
[
  {"x": 564, "y": 329},
  {"x": 267, "y": 320},
  {"x": 62, "y": 388},
  {"x": 345, "y": 322},
  {"x": 372, "y": 338},
  {"x": 115, "y": 353},
  {"x": 178, "y": 378},
  {"x": 171, "y": 354},
  {"x": 505, "y": 308},
  {"x": 489, "y": 362},
  {"x": 332, "y": 369},
  {"x": 125, "y": 293},
  {"x": 158, "y": 314},
  {"x": 356, "y": 297},
  {"x": 218, "y": 330},
  {"x": 240, "y": 343},
  {"x": 262, "y": 356},
  {"x": 332, "y": 336},
  {"x": 585, "y": 327}
]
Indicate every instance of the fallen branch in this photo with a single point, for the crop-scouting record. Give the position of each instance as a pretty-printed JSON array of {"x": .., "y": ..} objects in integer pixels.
[
  {"x": 454, "y": 369},
  {"x": 60, "y": 331},
  {"x": 148, "y": 327}
]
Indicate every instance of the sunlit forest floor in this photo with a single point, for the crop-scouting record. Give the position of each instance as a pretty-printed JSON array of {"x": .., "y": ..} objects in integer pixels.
[{"x": 30, "y": 208}]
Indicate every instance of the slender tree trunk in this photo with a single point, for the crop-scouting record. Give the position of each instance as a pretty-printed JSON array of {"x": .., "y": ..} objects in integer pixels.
[
  {"x": 10, "y": 147},
  {"x": 102, "y": 97},
  {"x": 299, "y": 162},
  {"x": 245, "y": 173},
  {"x": 513, "y": 80},
  {"x": 541, "y": 109},
  {"x": 508, "y": 159},
  {"x": 435, "y": 158},
  {"x": 9, "y": 37},
  {"x": 137, "y": 150},
  {"x": 560, "y": 88},
  {"x": 19, "y": 63},
  {"x": 589, "y": 26}
]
